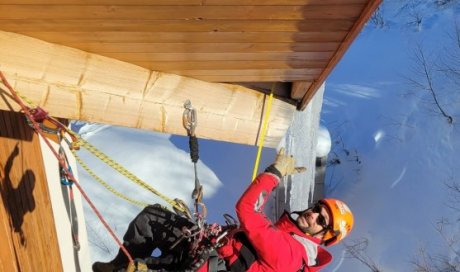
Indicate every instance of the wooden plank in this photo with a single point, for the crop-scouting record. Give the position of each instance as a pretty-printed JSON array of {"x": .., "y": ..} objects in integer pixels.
[
  {"x": 299, "y": 88},
  {"x": 110, "y": 47},
  {"x": 182, "y": 2},
  {"x": 7, "y": 256},
  {"x": 249, "y": 72},
  {"x": 185, "y": 37},
  {"x": 216, "y": 65},
  {"x": 92, "y": 25},
  {"x": 137, "y": 57},
  {"x": 283, "y": 2},
  {"x": 365, "y": 15},
  {"x": 7, "y": 253},
  {"x": 110, "y": 12},
  {"x": 28, "y": 210},
  {"x": 254, "y": 78},
  {"x": 102, "y": 2}
]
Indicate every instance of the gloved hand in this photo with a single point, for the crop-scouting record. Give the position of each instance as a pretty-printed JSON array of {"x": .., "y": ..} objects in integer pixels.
[{"x": 285, "y": 164}]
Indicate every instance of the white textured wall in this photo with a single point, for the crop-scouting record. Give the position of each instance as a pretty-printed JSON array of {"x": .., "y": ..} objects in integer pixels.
[
  {"x": 294, "y": 193},
  {"x": 72, "y": 260}
]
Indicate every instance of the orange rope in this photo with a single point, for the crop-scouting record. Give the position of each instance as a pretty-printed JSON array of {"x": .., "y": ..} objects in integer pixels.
[{"x": 37, "y": 129}]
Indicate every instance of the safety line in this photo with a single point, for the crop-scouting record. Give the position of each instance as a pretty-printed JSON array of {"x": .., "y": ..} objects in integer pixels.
[
  {"x": 122, "y": 170},
  {"x": 264, "y": 131},
  {"x": 105, "y": 184}
]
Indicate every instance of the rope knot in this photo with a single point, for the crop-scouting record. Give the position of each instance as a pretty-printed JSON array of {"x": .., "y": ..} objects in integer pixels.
[
  {"x": 39, "y": 114},
  {"x": 75, "y": 145}
]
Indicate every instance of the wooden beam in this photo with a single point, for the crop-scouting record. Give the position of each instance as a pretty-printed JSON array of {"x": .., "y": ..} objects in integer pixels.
[
  {"x": 359, "y": 24},
  {"x": 73, "y": 84}
]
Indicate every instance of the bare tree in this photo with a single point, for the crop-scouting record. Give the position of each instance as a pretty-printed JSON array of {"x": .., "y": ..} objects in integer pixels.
[
  {"x": 423, "y": 79},
  {"x": 454, "y": 196},
  {"x": 377, "y": 19},
  {"x": 450, "y": 62},
  {"x": 449, "y": 260},
  {"x": 357, "y": 249},
  {"x": 416, "y": 19},
  {"x": 424, "y": 261}
]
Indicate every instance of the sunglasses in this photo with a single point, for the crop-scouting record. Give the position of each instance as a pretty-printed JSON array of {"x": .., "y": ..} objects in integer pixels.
[{"x": 321, "y": 220}]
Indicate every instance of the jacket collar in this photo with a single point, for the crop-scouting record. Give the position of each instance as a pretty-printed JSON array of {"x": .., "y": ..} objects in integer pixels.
[{"x": 287, "y": 224}]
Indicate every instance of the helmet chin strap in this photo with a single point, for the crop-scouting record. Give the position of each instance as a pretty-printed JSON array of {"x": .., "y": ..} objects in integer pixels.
[
  {"x": 299, "y": 213},
  {"x": 321, "y": 231}
]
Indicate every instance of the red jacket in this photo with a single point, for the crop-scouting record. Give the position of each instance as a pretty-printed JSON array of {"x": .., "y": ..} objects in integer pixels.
[{"x": 280, "y": 247}]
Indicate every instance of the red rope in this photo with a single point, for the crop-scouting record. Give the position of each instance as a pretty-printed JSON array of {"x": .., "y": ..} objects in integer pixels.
[{"x": 37, "y": 129}]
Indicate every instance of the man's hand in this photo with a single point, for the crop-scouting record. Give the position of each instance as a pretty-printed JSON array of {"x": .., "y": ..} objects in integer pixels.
[{"x": 285, "y": 164}]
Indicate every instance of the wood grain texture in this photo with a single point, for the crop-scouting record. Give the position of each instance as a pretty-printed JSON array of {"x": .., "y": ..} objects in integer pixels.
[
  {"x": 29, "y": 241},
  {"x": 73, "y": 84}
]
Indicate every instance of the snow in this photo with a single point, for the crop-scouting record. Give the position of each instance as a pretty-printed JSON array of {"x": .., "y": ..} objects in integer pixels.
[
  {"x": 323, "y": 142},
  {"x": 396, "y": 150}
]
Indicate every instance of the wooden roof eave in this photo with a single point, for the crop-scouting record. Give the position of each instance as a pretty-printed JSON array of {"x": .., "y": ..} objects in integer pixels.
[{"x": 310, "y": 88}]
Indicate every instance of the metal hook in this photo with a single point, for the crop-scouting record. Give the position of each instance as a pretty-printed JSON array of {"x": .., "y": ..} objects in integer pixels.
[{"x": 189, "y": 118}]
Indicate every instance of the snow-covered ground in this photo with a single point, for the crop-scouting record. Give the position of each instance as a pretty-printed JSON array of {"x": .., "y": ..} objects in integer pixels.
[{"x": 393, "y": 151}]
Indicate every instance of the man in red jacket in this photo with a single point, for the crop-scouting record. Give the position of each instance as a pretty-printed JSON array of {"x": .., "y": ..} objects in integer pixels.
[{"x": 292, "y": 244}]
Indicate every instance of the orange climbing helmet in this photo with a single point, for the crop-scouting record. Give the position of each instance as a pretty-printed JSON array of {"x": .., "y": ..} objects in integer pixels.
[{"x": 342, "y": 221}]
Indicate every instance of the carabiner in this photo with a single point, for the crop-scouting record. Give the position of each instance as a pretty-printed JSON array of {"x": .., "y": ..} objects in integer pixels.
[{"x": 189, "y": 118}]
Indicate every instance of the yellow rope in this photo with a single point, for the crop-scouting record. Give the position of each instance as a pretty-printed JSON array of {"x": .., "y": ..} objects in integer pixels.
[
  {"x": 264, "y": 131},
  {"x": 116, "y": 166},
  {"x": 105, "y": 184},
  {"x": 120, "y": 169}
]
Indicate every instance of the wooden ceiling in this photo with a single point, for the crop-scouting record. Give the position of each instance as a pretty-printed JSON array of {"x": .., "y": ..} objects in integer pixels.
[{"x": 246, "y": 42}]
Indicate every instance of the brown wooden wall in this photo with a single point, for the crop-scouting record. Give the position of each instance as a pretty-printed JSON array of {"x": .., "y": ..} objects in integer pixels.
[{"x": 27, "y": 228}]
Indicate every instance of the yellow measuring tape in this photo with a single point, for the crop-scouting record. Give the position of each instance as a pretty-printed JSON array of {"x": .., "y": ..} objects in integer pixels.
[{"x": 264, "y": 131}]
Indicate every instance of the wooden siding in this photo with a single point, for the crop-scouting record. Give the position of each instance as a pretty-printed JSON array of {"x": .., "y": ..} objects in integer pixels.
[
  {"x": 212, "y": 40},
  {"x": 27, "y": 227}
]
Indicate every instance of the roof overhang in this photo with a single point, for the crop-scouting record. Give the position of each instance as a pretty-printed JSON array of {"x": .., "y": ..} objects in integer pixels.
[{"x": 219, "y": 50}]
